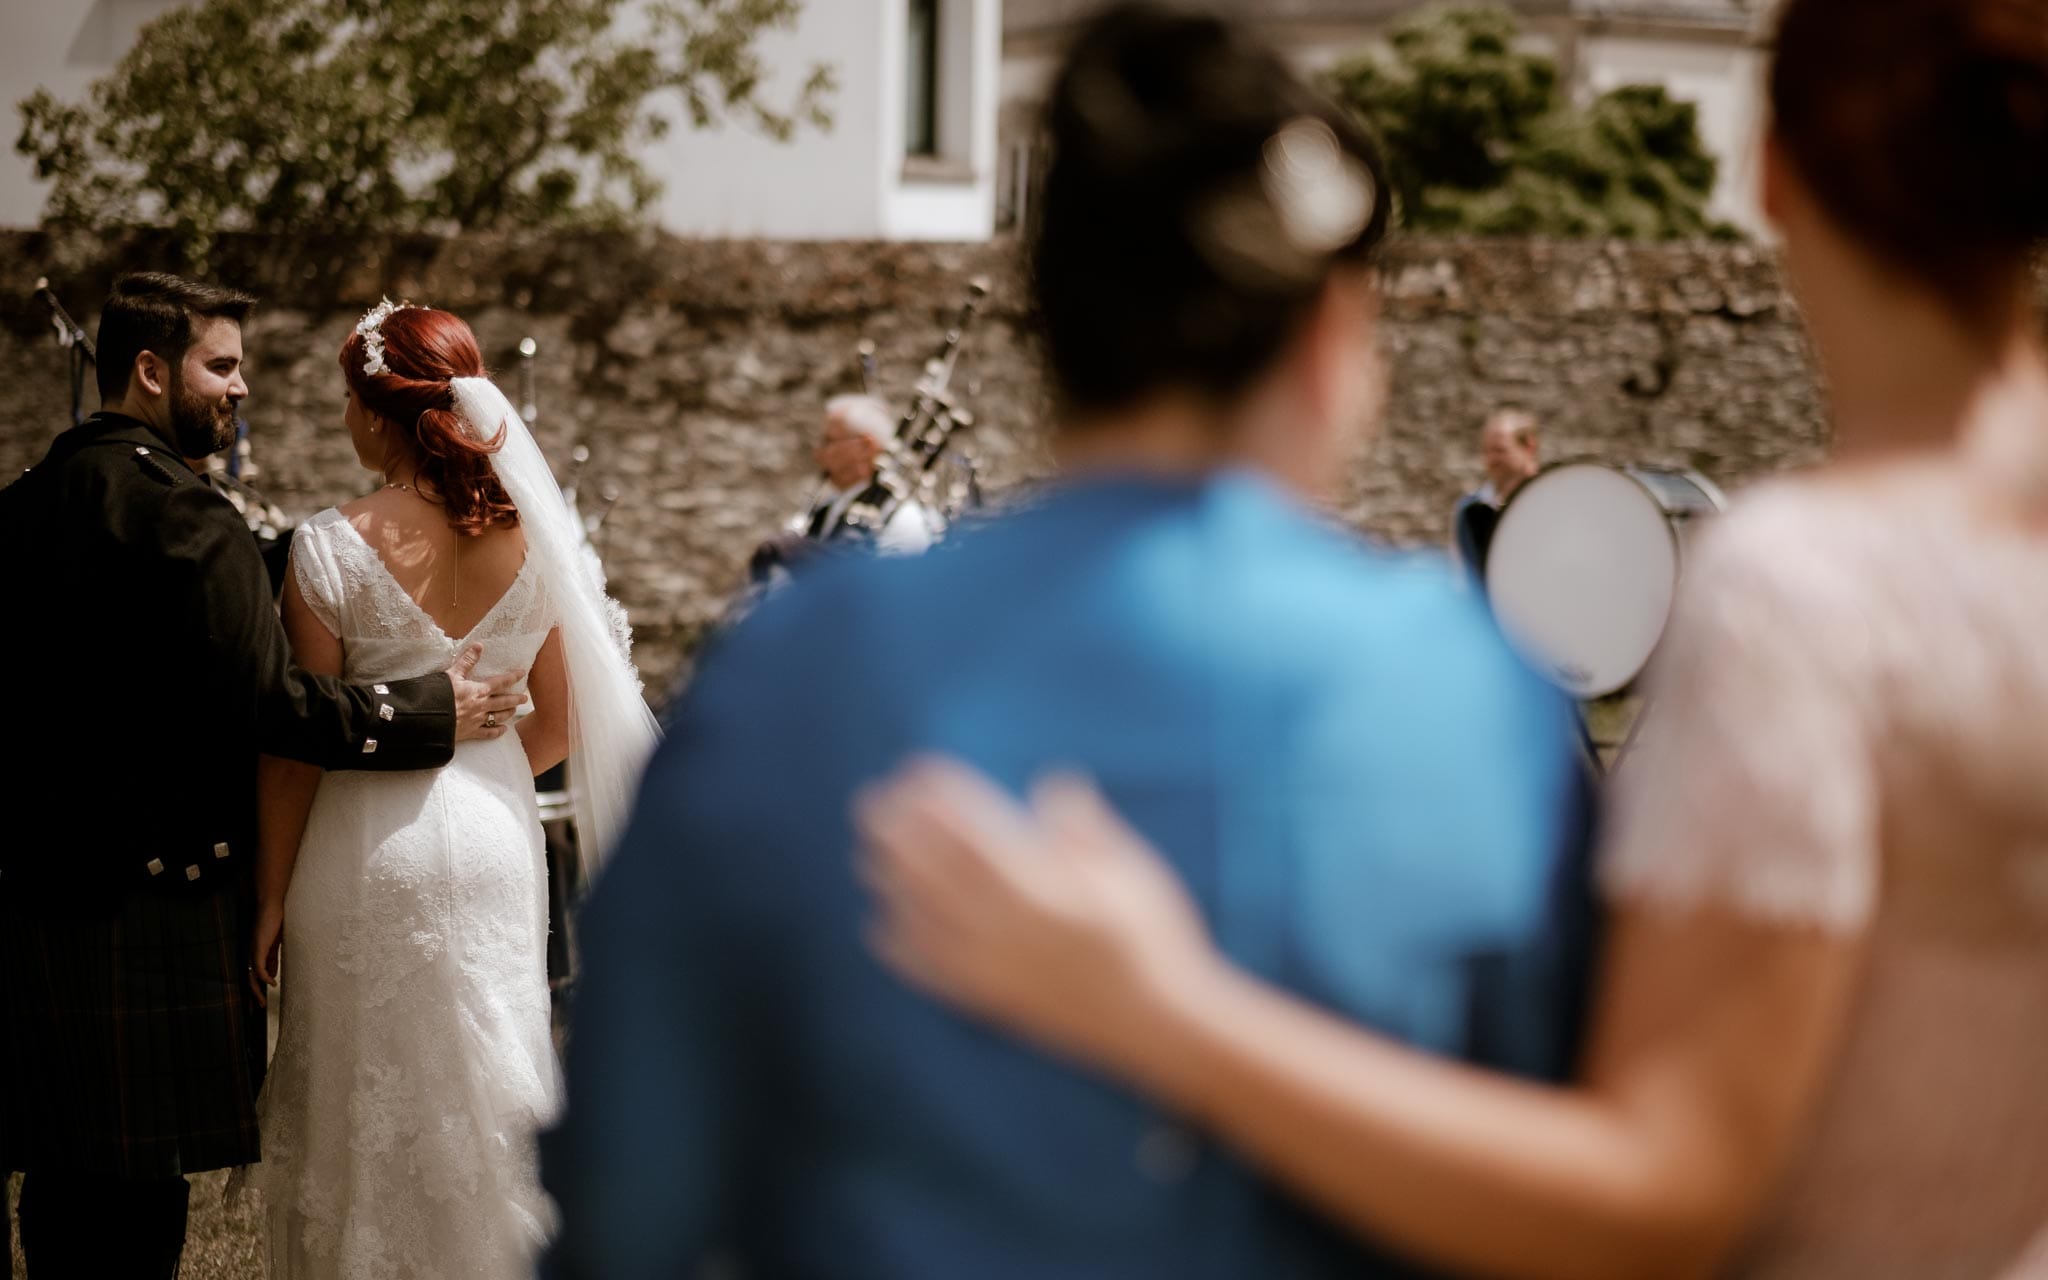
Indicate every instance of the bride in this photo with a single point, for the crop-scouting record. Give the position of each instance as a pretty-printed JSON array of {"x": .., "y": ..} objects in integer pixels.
[{"x": 414, "y": 1063}]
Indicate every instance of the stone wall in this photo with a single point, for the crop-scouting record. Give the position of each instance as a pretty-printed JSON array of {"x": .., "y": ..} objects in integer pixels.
[{"x": 694, "y": 370}]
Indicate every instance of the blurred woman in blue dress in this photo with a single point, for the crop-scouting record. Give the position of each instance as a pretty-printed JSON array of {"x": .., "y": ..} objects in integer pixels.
[{"x": 1373, "y": 800}]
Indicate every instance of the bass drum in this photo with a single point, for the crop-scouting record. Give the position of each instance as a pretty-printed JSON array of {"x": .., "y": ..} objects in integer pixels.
[{"x": 1584, "y": 568}]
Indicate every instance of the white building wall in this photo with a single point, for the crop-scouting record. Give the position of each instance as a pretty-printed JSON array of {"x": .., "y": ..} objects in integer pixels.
[
  {"x": 1723, "y": 78},
  {"x": 848, "y": 182},
  {"x": 61, "y": 45},
  {"x": 1721, "y": 72},
  {"x": 951, "y": 196},
  {"x": 732, "y": 181}
]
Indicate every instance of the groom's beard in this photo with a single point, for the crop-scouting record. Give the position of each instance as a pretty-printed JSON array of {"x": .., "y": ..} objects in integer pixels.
[{"x": 199, "y": 426}]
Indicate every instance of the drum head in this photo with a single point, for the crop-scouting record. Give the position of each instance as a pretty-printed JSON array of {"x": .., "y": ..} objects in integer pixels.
[{"x": 1582, "y": 573}]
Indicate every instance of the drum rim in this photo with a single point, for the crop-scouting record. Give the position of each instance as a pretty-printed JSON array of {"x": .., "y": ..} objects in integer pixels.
[{"x": 1634, "y": 474}]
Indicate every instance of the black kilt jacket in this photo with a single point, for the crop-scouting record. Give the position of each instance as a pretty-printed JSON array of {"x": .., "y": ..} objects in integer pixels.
[{"x": 145, "y": 669}]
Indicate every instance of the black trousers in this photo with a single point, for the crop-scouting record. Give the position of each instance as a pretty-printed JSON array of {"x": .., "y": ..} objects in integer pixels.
[{"x": 83, "y": 1227}]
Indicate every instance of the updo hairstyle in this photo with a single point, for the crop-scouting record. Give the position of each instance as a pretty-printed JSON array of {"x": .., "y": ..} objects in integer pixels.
[
  {"x": 1197, "y": 199},
  {"x": 1921, "y": 126},
  {"x": 423, "y": 350}
]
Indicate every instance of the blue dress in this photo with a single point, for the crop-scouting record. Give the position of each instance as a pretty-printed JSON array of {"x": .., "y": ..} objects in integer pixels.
[{"x": 1374, "y": 803}]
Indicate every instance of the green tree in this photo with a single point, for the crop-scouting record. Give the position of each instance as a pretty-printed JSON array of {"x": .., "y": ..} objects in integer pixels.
[
  {"x": 387, "y": 116},
  {"x": 1480, "y": 137}
]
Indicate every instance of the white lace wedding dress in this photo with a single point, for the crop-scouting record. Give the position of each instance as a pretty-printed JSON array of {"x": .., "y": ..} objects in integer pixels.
[{"x": 414, "y": 1065}]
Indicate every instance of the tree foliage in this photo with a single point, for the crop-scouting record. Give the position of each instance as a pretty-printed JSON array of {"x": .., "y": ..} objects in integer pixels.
[
  {"x": 1481, "y": 137},
  {"x": 388, "y": 116}
]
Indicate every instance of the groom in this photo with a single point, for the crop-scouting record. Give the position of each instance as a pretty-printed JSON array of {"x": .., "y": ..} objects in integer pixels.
[{"x": 148, "y": 672}]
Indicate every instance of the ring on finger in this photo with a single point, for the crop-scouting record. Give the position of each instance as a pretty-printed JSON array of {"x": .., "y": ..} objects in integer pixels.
[{"x": 490, "y": 720}]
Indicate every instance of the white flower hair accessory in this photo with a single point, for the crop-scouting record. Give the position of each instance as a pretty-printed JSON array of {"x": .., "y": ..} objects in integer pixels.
[
  {"x": 371, "y": 329},
  {"x": 1323, "y": 197},
  {"x": 1307, "y": 200}
]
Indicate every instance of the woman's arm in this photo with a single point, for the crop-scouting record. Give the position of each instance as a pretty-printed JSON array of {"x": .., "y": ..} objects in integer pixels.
[
  {"x": 1711, "y": 1036},
  {"x": 284, "y": 793},
  {"x": 544, "y": 732},
  {"x": 1757, "y": 804}
]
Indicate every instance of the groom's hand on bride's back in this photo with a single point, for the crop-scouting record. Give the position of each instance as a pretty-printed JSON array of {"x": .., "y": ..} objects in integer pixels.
[{"x": 483, "y": 708}]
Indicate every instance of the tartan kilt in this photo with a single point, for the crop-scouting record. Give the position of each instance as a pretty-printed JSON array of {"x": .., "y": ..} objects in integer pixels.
[{"x": 130, "y": 1045}]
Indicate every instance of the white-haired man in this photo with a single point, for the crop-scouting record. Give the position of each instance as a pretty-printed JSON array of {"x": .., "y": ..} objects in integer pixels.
[{"x": 857, "y": 431}]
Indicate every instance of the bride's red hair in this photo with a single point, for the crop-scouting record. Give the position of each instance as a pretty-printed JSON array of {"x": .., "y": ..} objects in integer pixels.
[{"x": 423, "y": 350}]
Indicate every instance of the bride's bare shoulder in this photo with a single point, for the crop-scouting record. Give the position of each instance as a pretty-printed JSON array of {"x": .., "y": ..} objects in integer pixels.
[
  {"x": 374, "y": 508},
  {"x": 400, "y": 513}
]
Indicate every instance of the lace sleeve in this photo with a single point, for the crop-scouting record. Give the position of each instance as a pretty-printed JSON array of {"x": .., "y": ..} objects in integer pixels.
[
  {"x": 1753, "y": 788},
  {"x": 319, "y": 582}
]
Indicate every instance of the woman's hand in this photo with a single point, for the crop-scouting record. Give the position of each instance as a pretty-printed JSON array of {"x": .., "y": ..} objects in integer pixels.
[
  {"x": 265, "y": 947},
  {"x": 1059, "y": 922}
]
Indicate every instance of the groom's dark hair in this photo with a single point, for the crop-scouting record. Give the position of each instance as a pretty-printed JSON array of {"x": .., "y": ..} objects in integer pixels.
[{"x": 152, "y": 311}]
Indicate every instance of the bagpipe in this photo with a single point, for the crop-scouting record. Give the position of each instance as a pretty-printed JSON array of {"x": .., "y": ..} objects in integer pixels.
[{"x": 923, "y": 462}]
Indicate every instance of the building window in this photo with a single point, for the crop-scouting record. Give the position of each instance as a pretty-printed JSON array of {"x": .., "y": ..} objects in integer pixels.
[
  {"x": 921, "y": 114},
  {"x": 1018, "y": 181}
]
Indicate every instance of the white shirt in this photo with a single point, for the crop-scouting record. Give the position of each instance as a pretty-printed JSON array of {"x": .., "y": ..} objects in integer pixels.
[{"x": 910, "y": 530}]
